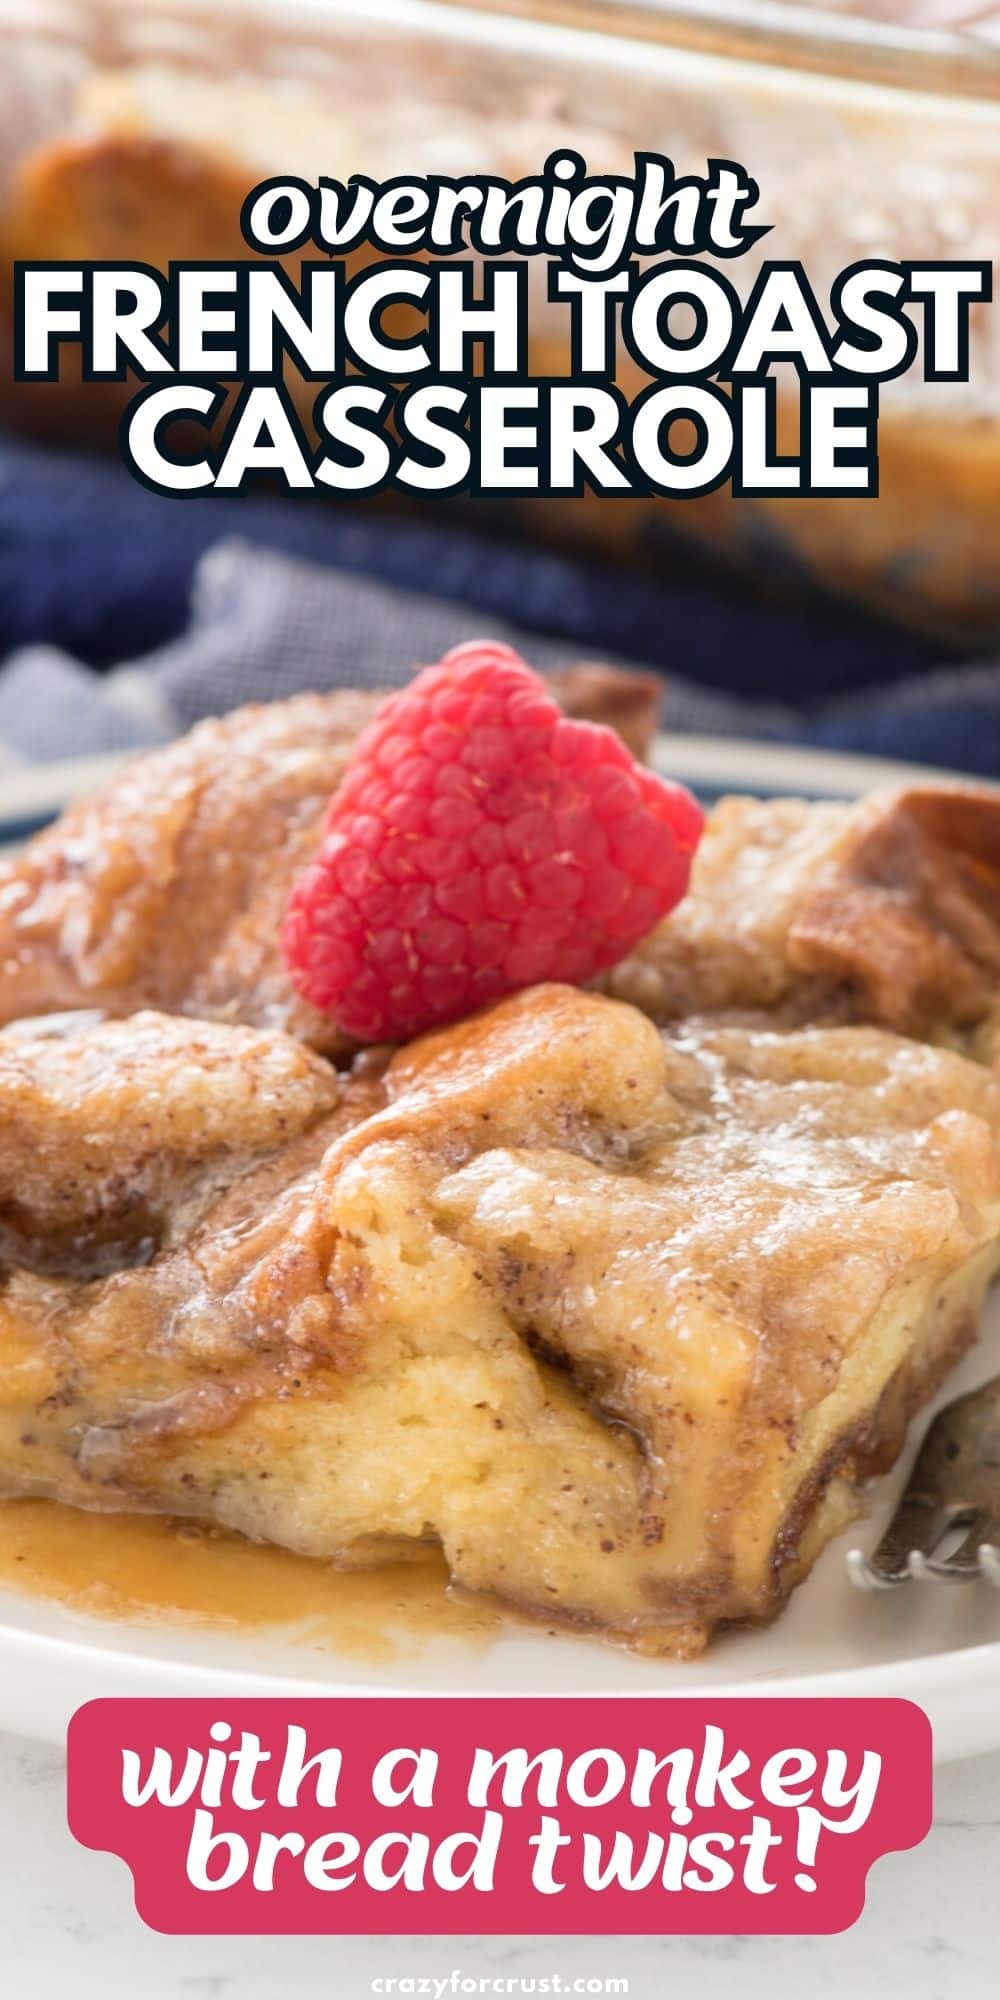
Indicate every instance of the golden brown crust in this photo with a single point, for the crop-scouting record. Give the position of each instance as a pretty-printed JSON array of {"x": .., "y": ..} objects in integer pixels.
[
  {"x": 117, "y": 197},
  {"x": 886, "y": 911},
  {"x": 169, "y": 889},
  {"x": 111, "y": 1130},
  {"x": 906, "y": 910}
]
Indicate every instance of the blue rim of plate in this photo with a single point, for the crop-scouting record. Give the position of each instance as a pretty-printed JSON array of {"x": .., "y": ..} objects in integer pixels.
[{"x": 32, "y": 796}]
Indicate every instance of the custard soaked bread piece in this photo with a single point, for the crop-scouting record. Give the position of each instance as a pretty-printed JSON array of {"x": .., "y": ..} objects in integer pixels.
[
  {"x": 114, "y": 1133},
  {"x": 169, "y": 888},
  {"x": 887, "y": 910},
  {"x": 618, "y": 1318}
]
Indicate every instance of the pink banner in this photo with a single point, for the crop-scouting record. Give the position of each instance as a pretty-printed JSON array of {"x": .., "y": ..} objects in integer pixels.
[{"x": 473, "y": 1816}]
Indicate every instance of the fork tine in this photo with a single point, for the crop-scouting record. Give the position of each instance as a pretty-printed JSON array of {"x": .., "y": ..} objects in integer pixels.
[
  {"x": 915, "y": 1528},
  {"x": 989, "y": 1563},
  {"x": 866, "y": 1576},
  {"x": 955, "y": 1483},
  {"x": 961, "y": 1566}
]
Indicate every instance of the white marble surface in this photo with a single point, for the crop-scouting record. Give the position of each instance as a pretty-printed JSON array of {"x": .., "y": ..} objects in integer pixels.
[{"x": 931, "y": 1930}]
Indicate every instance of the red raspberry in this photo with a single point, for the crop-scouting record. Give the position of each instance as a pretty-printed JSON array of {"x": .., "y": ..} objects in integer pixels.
[{"x": 480, "y": 842}]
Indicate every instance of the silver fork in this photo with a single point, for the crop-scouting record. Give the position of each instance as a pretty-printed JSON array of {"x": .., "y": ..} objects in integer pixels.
[{"x": 953, "y": 1491}]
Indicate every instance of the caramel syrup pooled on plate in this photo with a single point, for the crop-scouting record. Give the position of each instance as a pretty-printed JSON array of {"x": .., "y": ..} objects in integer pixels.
[{"x": 144, "y": 1569}]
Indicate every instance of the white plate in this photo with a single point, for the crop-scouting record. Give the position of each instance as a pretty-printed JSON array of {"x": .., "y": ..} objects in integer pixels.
[{"x": 938, "y": 1646}]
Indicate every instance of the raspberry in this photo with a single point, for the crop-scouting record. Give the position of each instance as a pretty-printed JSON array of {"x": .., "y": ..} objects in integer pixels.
[{"x": 480, "y": 842}]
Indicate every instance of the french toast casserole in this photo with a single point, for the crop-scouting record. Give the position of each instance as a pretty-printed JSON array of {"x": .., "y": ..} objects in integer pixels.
[{"x": 615, "y": 1294}]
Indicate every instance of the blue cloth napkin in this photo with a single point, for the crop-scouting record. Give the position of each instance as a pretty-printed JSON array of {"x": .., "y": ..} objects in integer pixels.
[{"x": 125, "y": 616}]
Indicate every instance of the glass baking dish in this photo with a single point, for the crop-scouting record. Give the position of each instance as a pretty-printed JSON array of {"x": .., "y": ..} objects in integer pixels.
[{"x": 872, "y": 128}]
